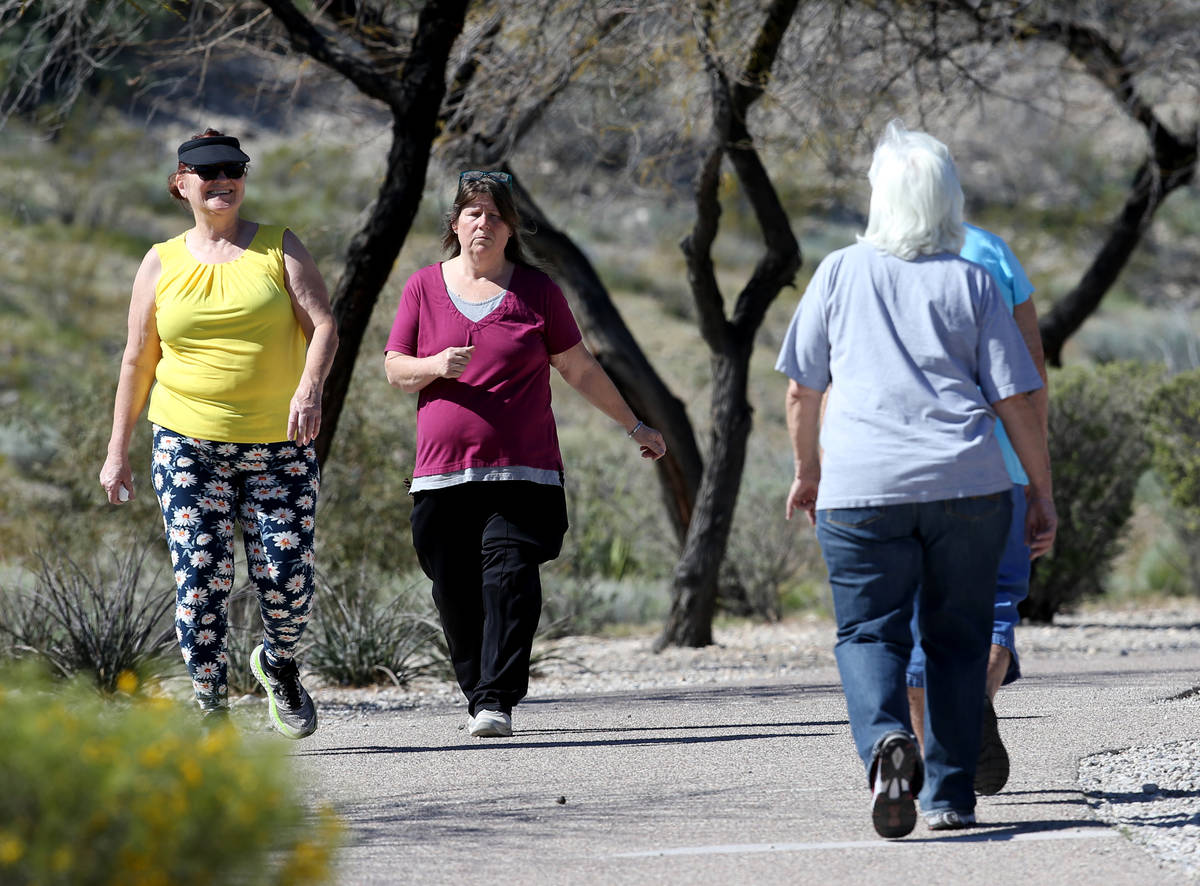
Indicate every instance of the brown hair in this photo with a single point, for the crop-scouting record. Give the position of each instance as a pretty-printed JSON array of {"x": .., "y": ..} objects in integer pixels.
[
  {"x": 172, "y": 186},
  {"x": 502, "y": 196}
]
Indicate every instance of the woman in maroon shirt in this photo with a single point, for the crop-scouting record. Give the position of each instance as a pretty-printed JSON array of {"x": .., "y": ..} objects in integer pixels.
[{"x": 476, "y": 336}]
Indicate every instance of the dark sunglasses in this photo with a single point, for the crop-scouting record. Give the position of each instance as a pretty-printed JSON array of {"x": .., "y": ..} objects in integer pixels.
[
  {"x": 212, "y": 171},
  {"x": 476, "y": 175}
]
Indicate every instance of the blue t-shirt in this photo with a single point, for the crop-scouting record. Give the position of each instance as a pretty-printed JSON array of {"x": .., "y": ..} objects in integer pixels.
[
  {"x": 915, "y": 352},
  {"x": 985, "y": 248}
]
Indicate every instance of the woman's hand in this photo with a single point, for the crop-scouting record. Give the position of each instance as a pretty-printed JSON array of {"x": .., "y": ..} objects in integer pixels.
[
  {"x": 651, "y": 441},
  {"x": 143, "y": 350},
  {"x": 803, "y": 496},
  {"x": 802, "y": 406},
  {"x": 117, "y": 479},
  {"x": 1041, "y": 524},
  {"x": 451, "y": 362},
  {"x": 413, "y": 374},
  {"x": 304, "y": 414}
]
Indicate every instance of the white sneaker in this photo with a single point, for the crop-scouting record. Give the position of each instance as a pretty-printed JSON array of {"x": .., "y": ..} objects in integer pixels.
[
  {"x": 490, "y": 724},
  {"x": 949, "y": 820}
]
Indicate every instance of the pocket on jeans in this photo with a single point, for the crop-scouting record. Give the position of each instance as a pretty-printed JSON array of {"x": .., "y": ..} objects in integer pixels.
[
  {"x": 854, "y": 517},
  {"x": 976, "y": 507}
]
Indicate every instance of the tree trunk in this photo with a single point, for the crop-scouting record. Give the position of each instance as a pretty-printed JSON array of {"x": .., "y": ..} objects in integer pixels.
[
  {"x": 694, "y": 584},
  {"x": 369, "y": 261},
  {"x": 618, "y": 352}
]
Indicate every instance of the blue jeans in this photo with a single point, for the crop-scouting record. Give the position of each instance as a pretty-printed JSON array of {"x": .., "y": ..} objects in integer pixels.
[
  {"x": 1012, "y": 586},
  {"x": 877, "y": 558}
]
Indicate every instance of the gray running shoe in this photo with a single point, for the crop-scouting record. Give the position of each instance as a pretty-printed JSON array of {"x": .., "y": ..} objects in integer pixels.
[
  {"x": 991, "y": 769},
  {"x": 490, "y": 724},
  {"x": 949, "y": 820},
  {"x": 292, "y": 710},
  {"x": 896, "y": 777}
]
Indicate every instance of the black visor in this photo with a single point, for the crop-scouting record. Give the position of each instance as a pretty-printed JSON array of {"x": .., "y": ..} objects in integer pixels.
[{"x": 210, "y": 150}]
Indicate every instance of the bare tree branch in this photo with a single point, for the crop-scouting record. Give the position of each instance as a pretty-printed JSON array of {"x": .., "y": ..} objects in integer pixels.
[
  {"x": 697, "y": 250},
  {"x": 59, "y": 45},
  {"x": 694, "y": 585},
  {"x": 309, "y": 40}
]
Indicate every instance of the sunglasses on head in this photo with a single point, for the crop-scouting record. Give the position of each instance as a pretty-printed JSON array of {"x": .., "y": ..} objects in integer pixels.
[
  {"x": 212, "y": 171},
  {"x": 477, "y": 175}
]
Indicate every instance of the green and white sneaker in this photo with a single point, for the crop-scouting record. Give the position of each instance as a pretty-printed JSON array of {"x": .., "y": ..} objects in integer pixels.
[{"x": 293, "y": 713}]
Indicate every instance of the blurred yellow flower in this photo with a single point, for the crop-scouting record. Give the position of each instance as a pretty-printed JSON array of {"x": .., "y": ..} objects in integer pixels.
[
  {"x": 61, "y": 859},
  {"x": 11, "y": 849}
]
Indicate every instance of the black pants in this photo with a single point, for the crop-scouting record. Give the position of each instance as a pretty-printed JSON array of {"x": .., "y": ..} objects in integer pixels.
[{"x": 481, "y": 544}]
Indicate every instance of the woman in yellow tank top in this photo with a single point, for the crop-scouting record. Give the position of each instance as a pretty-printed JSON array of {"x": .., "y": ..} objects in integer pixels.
[{"x": 230, "y": 340}]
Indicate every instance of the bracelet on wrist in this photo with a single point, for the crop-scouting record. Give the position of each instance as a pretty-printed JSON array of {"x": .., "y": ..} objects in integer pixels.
[{"x": 635, "y": 429}]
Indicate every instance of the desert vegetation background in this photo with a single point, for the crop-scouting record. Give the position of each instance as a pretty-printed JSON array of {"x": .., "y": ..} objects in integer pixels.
[
  {"x": 684, "y": 167},
  {"x": 602, "y": 112}
]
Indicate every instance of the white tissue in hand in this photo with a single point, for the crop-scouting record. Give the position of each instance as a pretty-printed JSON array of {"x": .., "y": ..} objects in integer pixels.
[{"x": 123, "y": 494}]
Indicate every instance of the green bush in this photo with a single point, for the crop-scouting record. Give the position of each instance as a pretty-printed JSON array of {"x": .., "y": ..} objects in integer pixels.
[
  {"x": 136, "y": 791},
  {"x": 1099, "y": 448},
  {"x": 1161, "y": 557},
  {"x": 1175, "y": 434}
]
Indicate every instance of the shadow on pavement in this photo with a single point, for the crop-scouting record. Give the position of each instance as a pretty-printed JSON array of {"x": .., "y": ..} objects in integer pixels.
[
  {"x": 1004, "y": 831},
  {"x": 722, "y": 693},
  {"x": 1063, "y": 797},
  {"x": 808, "y": 724},
  {"x": 511, "y": 745}
]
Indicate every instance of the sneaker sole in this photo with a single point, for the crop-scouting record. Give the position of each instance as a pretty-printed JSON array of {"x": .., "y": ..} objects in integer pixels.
[
  {"x": 991, "y": 769},
  {"x": 896, "y": 816},
  {"x": 491, "y": 732},
  {"x": 282, "y": 727}
]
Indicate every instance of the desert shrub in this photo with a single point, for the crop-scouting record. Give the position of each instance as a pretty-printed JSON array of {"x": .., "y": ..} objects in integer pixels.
[
  {"x": 136, "y": 791},
  {"x": 614, "y": 506},
  {"x": 767, "y": 555},
  {"x": 364, "y": 637},
  {"x": 1099, "y": 448},
  {"x": 1175, "y": 431},
  {"x": 104, "y": 617},
  {"x": 1161, "y": 556}
]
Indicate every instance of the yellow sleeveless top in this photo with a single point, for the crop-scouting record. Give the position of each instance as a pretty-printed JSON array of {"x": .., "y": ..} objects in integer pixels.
[{"x": 232, "y": 349}]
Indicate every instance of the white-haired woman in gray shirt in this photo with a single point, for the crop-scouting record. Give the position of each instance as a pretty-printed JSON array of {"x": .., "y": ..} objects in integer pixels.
[{"x": 919, "y": 355}]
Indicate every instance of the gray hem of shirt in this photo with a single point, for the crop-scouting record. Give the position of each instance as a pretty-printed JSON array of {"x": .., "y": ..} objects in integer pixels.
[{"x": 487, "y": 475}]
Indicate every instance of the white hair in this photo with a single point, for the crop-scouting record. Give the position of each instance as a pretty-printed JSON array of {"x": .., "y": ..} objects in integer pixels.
[{"x": 916, "y": 199}]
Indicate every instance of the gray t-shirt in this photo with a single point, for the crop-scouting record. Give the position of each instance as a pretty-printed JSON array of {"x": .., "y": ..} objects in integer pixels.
[{"x": 915, "y": 352}]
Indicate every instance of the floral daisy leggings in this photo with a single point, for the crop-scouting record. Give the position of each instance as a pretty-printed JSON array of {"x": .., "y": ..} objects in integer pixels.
[{"x": 205, "y": 490}]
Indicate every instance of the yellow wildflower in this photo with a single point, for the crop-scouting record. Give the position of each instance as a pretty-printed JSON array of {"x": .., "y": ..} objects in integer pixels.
[{"x": 11, "y": 849}]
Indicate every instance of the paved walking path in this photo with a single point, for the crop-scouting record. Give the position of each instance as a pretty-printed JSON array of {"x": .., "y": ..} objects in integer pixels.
[{"x": 753, "y": 782}]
